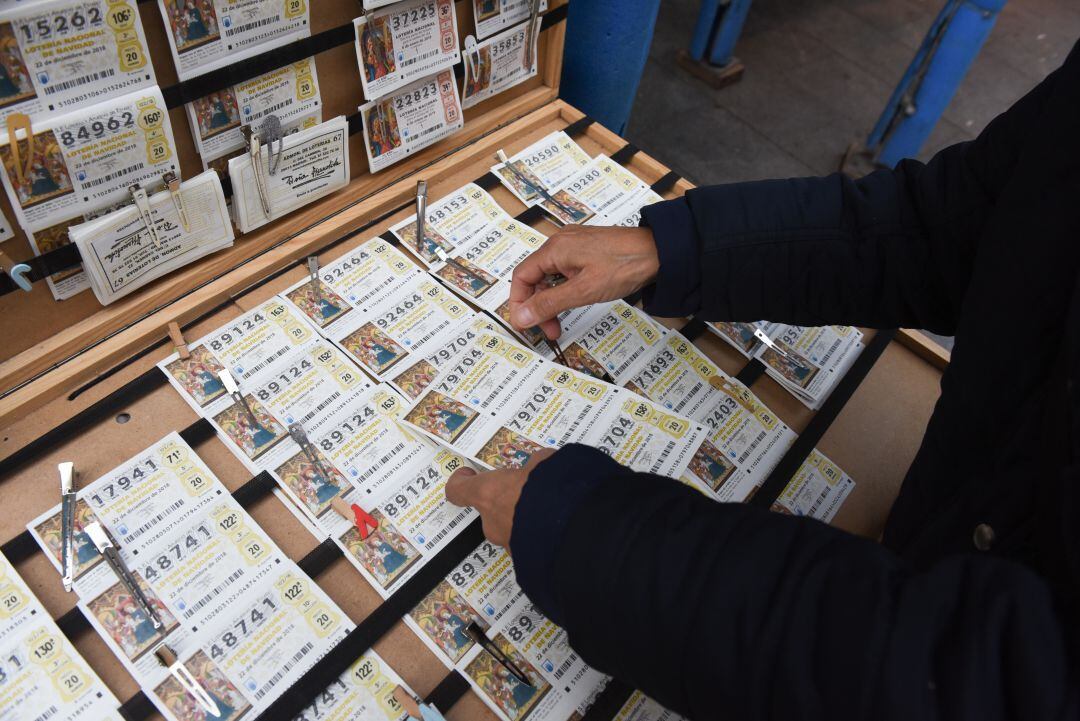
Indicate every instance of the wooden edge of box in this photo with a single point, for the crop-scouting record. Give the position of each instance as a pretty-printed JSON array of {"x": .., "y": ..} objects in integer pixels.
[{"x": 924, "y": 347}]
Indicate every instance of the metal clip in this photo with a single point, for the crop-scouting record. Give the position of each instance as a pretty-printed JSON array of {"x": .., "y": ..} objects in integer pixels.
[
  {"x": 270, "y": 131},
  {"x": 67, "y": 521},
  {"x": 477, "y": 634},
  {"x": 313, "y": 272},
  {"x": 168, "y": 658},
  {"x": 764, "y": 338},
  {"x": 172, "y": 183},
  {"x": 142, "y": 204},
  {"x": 421, "y": 214},
  {"x": 251, "y": 139},
  {"x": 530, "y": 51},
  {"x": 105, "y": 547},
  {"x": 233, "y": 390},
  {"x": 18, "y": 272},
  {"x": 533, "y": 183},
  {"x": 296, "y": 431},
  {"x": 472, "y": 57},
  {"x": 15, "y": 123}
]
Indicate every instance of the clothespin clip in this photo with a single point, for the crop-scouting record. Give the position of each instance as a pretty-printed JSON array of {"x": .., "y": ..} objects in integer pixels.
[
  {"x": 18, "y": 272},
  {"x": 172, "y": 183},
  {"x": 270, "y": 131},
  {"x": 234, "y": 391},
  {"x": 251, "y": 139},
  {"x": 477, "y": 634},
  {"x": 15, "y": 123},
  {"x": 421, "y": 214},
  {"x": 177, "y": 337},
  {"x": 67, "y": 522},
  {"x": 764, "y": 338},
  {"x": 169, "y": 659},
  {"x": 105, "y": 547},
  {"x": 417, "y": 711},
  {"x": 313, "y": 272},
  {"x": 142, "y": 204},
  {"x": 365, "y": 522},
  {"x": 533, "y": 183},
  {"x": 534, "y": 15}
]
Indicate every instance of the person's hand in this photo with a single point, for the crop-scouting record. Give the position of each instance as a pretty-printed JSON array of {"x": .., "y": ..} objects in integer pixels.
[
  {"x": 494, "y": 494},
  {"x": 600, "y": 264}
]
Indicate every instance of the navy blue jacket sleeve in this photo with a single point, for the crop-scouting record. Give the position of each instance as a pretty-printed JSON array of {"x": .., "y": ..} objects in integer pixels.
[
  {"x": 728, "y": 611},
  {"x": 893, "y": 249}
]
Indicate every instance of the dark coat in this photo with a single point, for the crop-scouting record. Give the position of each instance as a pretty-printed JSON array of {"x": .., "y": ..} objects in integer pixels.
[{"x": 726, "y": 611}]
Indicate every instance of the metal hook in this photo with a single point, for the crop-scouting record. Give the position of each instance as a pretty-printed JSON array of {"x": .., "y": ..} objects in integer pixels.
[
  {"x": 18, "y": 272},
  {"x": 270, "y": 131}
]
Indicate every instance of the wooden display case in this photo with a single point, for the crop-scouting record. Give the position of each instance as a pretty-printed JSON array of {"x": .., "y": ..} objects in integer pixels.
[{"x": 79, "y": 381}]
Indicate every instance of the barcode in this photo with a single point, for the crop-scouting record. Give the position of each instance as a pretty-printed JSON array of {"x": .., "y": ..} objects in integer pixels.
[
  {"x": 663, "y": 457},
  {"x": 112, "y": 176},
  {"x": 193, "y": 609},
  {"x": 825, "y": 493},
  {"x": 828, "y": 354},
  {"x": 429, "y": 131},
  {"x": 271, "y": 109},
  {"x": 256, "y": 368},
  {"x": 229, "y": 32},
  {"x": 421, "y": 57},
  {"x": 565, "y": 666},
  {"x": 156, "y": 519},
  {"x": 52, "y": 711},
  {"x": 449, "y": 527},
  {"x": 304, "y": 650},
  {"x": 382, "y": 461},
  {"x": 318, "y": 409},
  {"x": 84, "y": 80},
  {"x": 434, "y": 331},
  {"x": 610, "y": 202},
  {"x": 750, "y": 448}
]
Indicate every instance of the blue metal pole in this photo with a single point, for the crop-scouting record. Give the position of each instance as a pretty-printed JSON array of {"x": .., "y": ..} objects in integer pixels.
[
  {"x": 723, "y": 46},
  {"x": 703, "y": 30},
  {"x": 607, "y": 44},
  {"x": 932, "y": 79}
]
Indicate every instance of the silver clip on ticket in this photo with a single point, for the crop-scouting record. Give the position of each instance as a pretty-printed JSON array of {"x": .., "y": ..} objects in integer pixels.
[
  {"x": 67, "y": 522},
  {"x": 105, "y": 547},
  {"x": 532, "y": 183},
  {"x": 270, "y": 132},
  {"x": 764, "y": 338},
  {"x": 299, "y": 436},
  {"x": 251, "y": 139},
  {"x": 142, "y": 204},
  {"x": 472, "y": 56},
  {"x": 534, "y": 16},
  {"x": 234, "y": 391},
  {"x": 169, "y": 659},
  {"x": 313, "y": 272},
  {"x": 172, "y": 183},
  {"x": 421, "y": 214}
]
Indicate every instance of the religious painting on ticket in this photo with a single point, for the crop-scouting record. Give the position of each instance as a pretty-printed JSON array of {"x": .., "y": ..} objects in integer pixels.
[
  {"x": 741, "y": 334},
  {"x": 193, "y": 23},
  {"x": 383, "y": 132},
  {"x": 569, "y": 211},
  {"x": 479, "y": 76},
  {"x": 253, "y": 437},
  {"x": 433, "y": 240},
  {"x": 486, "y": 9},
  {"x": 517, "y": 180},
  {"x": 230, "y": 702},
  {"x": 507, "y": 449},
  {"x": 513, "y": 697},
  {"x": 15, "y": 83},
  {"x": 122, "y": 618},
  {"x": 385, "y": 553},
  {"x": 86, "y": 554},
  {"x": 373, "y": 348},
  {"x": 466, "y": 277},
  {"x": 216, "y": 113},
  {"x": 198, "y": 375},
  {"x": 416, "y": 379},
  {"x": 377, "y": 48},
  {"x": 710, "y": 465},
  {"x": 580, "y": 360},
  {"x": 322, "y": 308},
  {"x": 791, "y": 365},
  {"x": 441, "y": 416},
  {"x": 314, "y": 489},
  {"x": 533, "y": 336},
  {"x": 53, "y": 237},
  {"x": 40, "y": 175},
  {"x": 443, "y": 616}
]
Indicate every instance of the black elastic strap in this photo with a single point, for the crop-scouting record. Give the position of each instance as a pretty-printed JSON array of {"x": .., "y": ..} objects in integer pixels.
[
  {"x": 42, "y": 266},
  {"x": 579, "y": 126},
  {"x": 488, "y": 180},
  {"x": 623, "y": 155},
  {"x": 448, "y": 692},
  {"x": 255, "y": 489},
  {"x": 666, "y": 183},
  {"x": 777, "y": 481},
  {"x": 750, "y": 372},
  {"x": 139, "y": 707},
  {"x": 320, "y": 558},
  {"x": 325, "y": 671},
  {"x": 693, "y": 328},
  {"x": 609, "y": 702},
  {"x": 198, "y": 432},
  {"x": 19, "y": 548},
  {"x": 530, "y": 215},
  {"x": 73, "y": 623}
]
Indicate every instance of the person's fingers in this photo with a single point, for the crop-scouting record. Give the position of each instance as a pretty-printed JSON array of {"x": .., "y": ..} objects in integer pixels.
[
  {"x": 538, "y": 458},
  {"x": 545, "y": 304},
  {"x": 464, "y": 487},
  {"x": 530, "y": 274}
]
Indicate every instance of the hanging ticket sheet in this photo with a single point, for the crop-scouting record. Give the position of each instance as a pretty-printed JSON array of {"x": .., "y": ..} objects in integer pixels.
[
  {"x": 546, "y": 164},
  {"x": 495, "y": 15},
  {"x": 291, "y": 93},
  {"x": 119, "y": 254},
  {"x": 42, "y": 676},
  {"x": 244, "y": 620},
  {"x": 405, "y": 42},
  {"x": 410, "y": 119},
  {"x": 60, "y": 55},
  {"x": 208, "y": 34},
  {"x": 311, "y": 164},
  {"x": 499, "y": 63},
  {"x": 86, "y": 160}
]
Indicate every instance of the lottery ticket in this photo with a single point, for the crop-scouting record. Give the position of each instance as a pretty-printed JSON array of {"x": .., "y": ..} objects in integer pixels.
[
  {"x": 410, "y": 40},
  {"x": 453, "y": 222},
  {"x": 817, "y": 489},
  {"x": 305, "y": 166},
  {"x": 808, "y": 362},
  {"x": 120, "y": 255},
  {"x": 494, "y": 15},
  {"x": 546, "y": 164},
  {"x": 629, "y": 213},
  {"x": 499, "y": 63},
  {"x": 418, "y": 373},
  {"x": 607, "y": 340},
  {"x": 482, "y": 592},
  {"x": 41, "y": 674},
  {"x": 599, "y": 192},
  {"x": 67, "y": 283},
  {"x": 291, "y": 93},
  {"x": 87, "y": 159},
  {"x": 365, "y": 692},
  {"x": 640, "y": 707},
  {"x": 209, "y": 34},
  {"x": 739, "y": 336},
  {"x": 245, "y": 346},
  {"x": 60, "y": 55},
  {"x": 410, "y": 119}
]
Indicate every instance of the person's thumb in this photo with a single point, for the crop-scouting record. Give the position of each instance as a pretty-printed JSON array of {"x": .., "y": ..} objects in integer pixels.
[
  {"x": 546, "y": 304},
  {"x": 463, "y": 487}
]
